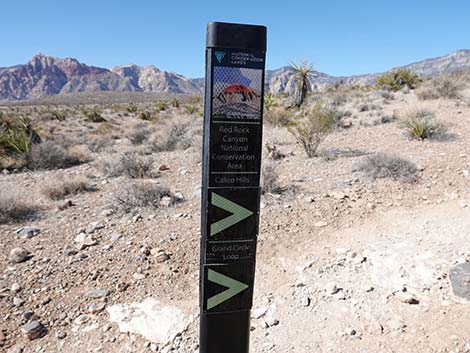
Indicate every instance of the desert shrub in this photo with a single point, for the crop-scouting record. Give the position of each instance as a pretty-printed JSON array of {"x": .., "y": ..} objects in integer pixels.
[
  {"x": 13, "y": 209},
  {"x": 313, "y": 128},
  {"x": 142, "y": 195},
  {"x": 278, "y": 117},
  {"x": 175, "y": 103},
  {"x": 50, "y": 155},
  {"x": 176, "y": 137},
  {"x": 385, "y": 119},
  {"x": 387, "y": 95},
  {"x": 338, "y": 120},
  {"x": 100, "y": 144},
  {"x": 129, "y": 165},
  {"x": 398, "y": 79},
  {"x": 328, "y": 154},
  {"x": 339, "y": 98},
  {"x": 93, "y": 115},
  {"x": 273, "y": 152},
  {"x": 382, "y": 165},
  {"x": 139, "y": 136},
  {"x": 270, "y": 178},
  {"x": 60, "y": 188},
  {"x": 132, "y": 108},
  {"x": 421, "y": 125},
  {"x": 445, "y": 87}
]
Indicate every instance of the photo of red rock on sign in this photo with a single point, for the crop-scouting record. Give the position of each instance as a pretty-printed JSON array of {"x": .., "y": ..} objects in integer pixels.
[{"x": 237, "y": 93}]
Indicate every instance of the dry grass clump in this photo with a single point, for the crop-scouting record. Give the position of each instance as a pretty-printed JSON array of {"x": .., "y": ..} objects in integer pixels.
[
  {"x": 129, "y": 165},
  {"x": 383, "y": 165},
  {"x": 313, "y": 128},
  {"x": 98, "y": 145},
  {"x": 422, "y": 124},
  {"x": 13, "y": 209},
  {"x": 139, "y": 135},
  {"x": 178, "y": 135},
  {"x": 445, "y": 87},
  {"x": 278, "y": 116},
  {"x": 143, "y": 195},
  {"x": 50, "y": 155},
  {"x": 270, "y": 178},
  {"x": 61, "y": 188}
]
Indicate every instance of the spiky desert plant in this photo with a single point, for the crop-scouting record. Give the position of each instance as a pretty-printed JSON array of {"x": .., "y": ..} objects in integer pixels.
[
  {"x": 397, "y": 79},
  {"x": 190, "y": 108},
  {"x": 175, "y": 103},
  {"x": 160, "y": 106},
  {"x": 132, "y": 108},
  {"x": 16, "y": 136},
  {"x": 303, "y": 72},
  {"x": 421, "y": 125},
  {"x": 313, "y": 128},
  {"x": 269, "y": 101}
]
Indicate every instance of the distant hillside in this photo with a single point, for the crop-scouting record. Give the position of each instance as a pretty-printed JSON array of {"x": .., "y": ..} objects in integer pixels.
[{"x": 44, "y": 76}]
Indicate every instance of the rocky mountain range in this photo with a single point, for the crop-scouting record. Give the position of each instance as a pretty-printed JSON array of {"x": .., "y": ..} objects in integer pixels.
[{"x": 46, "y": 75}]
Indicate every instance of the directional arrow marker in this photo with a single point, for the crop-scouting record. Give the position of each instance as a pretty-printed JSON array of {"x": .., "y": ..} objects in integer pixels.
[
  {"x": 239, "y": 213},
  {"x": 234, "y": 287}
]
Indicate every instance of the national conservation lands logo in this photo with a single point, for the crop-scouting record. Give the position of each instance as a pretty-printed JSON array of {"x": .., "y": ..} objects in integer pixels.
[{"x": 220, "y": 55}]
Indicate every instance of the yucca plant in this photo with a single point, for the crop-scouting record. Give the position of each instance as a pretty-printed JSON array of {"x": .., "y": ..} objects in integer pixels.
[
  {"x": 175, "y": 103},
  {"x": 160, "y": 106},
  {"x": 190, "y": 108},
  {"x": 269, "y": 101},
  {"x": 422, "y": 125},
  {"x": 16, "y": 136},
  {"x": 132, "y": 108},
  {"x": 396, "y": 80},
  {"x": 93, "y": 115},
  {"x": 303, "y": 72},
  {"x": 313, "y": 128}
]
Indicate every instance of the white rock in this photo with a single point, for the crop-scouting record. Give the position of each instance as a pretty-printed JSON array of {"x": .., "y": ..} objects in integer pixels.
[{"x": 157, "y": 323}]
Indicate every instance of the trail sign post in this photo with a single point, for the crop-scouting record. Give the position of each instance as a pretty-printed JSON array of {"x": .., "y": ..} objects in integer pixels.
[{"x": 235, "y": 61}]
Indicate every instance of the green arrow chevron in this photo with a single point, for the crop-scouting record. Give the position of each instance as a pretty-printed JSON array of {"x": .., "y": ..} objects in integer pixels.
[
  {"x": 239, "y": 213},
  {"x": 234, "y": 287}
]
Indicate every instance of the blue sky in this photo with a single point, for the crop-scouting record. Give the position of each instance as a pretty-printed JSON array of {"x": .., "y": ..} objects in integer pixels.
[{"x": 339, "y": 37}]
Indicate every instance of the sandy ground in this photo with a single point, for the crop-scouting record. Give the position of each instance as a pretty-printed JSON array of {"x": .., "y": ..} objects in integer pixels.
[{"x": 345, "y": 263}]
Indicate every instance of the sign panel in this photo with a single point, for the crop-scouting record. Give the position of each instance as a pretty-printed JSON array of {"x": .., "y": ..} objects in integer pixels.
[{"x": 235, "y": 61}]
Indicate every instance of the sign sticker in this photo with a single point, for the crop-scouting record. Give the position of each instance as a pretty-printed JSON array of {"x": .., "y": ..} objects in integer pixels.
[{"x": 237, "y": 93}]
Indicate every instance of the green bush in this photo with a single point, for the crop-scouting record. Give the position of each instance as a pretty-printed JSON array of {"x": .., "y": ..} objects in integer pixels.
[
  {"x": 398, "y": 79},
  {"x": 312, "y": 129},
  {"x": 16, "y": 136}
]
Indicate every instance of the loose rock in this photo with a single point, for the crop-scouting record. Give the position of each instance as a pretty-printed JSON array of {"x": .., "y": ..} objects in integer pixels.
[{"x": 18, "y": 255}]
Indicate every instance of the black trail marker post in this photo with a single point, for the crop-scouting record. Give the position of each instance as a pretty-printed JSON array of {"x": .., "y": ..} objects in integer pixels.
[{"x": 235, "y": 61}]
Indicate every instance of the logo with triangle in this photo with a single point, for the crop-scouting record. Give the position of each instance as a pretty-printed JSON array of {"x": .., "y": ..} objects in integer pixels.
[{"x": 220, "y": 55}]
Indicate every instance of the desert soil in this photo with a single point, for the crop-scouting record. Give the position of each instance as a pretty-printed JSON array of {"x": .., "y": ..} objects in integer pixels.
[{"x": 345, "y": 263}]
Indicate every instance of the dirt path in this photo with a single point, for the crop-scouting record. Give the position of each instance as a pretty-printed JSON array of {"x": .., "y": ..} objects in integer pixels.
[{"x": 370, "y": 265}]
